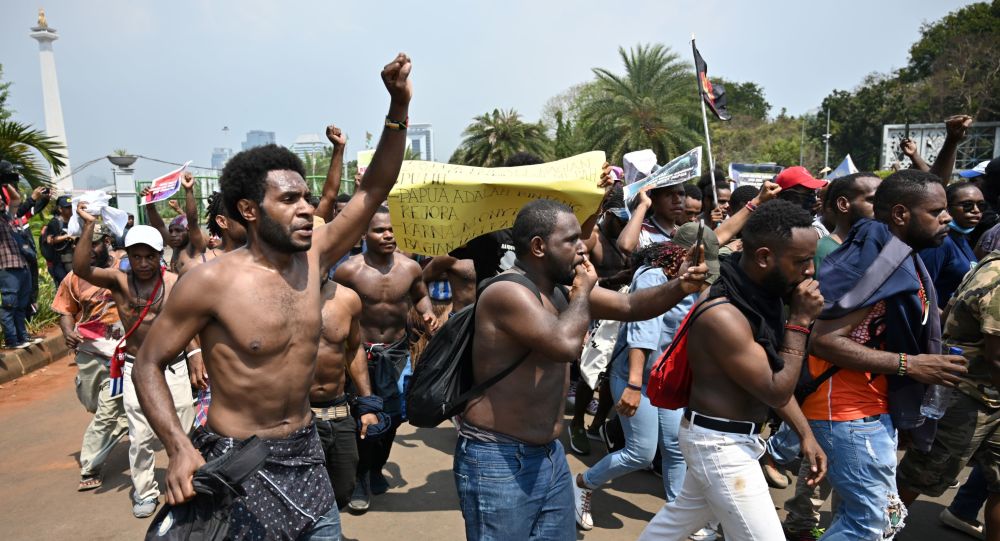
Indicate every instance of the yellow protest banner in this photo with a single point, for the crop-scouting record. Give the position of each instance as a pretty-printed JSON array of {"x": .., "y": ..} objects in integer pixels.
[{"x": 437, "y": 207}]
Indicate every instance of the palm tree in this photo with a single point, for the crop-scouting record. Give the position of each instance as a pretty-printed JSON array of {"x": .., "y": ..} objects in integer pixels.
[
  {"x": 494, "y": 137},
  {"x": 654, "y": 105},
  {"x": 18, "y": 144}
]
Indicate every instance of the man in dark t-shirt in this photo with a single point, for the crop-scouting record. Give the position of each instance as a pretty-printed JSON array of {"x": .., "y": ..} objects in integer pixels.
[
  {"x": 59, "y": 240},
  {"x": 491, "y": 253}
]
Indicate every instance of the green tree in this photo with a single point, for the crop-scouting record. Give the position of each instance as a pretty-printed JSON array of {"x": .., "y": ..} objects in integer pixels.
[
  {"x": 564, "y": 145},
  {"x": 19, "y": 145},
  {"x": 954, "y": 68},
  {"x": 457, "y": 157},
  {"x": 746, "y": 100},
  {"x": 494, "y": 137},
  {"x": 5, "y": 111},
  {"x": 653, "y": 105},
  {"x": 561, "y": 115},
  {"x": 937, "y": 38},
  {"x": 777, "y": 140}
]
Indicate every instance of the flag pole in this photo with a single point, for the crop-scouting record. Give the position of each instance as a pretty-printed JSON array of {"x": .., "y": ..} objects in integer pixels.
[{"x": 708, "y": 138}]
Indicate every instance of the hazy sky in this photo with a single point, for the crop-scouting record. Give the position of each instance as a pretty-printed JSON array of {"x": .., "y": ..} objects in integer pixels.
[{"x": 162, "y": 78}]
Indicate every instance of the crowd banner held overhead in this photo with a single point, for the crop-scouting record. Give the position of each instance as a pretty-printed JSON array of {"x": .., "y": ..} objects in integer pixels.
[
  {"x": 845, "y": 168},
  {"x": 364, "y": 160},
  {"x": 165, "y": 186},
  {"x": 752, "y": 174},
  {"x": 681, "y": 169},
  {"x": 437, "y": 207},
  {"x": 638, "y": 164}
]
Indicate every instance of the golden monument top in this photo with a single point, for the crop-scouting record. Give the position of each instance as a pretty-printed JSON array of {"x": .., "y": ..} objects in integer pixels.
[{"x": 42, "y": 23}]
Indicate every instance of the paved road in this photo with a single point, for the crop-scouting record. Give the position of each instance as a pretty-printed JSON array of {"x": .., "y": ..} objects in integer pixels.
[{"x": 41, "y": 424}]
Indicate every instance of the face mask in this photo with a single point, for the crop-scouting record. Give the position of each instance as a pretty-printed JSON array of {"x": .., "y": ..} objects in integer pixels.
[{"x": 964, "y": 231}]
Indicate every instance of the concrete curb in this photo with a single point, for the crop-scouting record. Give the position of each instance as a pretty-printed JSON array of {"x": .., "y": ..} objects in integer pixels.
[{"x": 16, "y": 363}]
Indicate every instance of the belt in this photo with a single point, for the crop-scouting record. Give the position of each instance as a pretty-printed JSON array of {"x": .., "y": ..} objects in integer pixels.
[
  {"x": 333, "y": 413},
  {"x": 129, "y": 359},
  {"x": 870, "y": 419},
  {"x": 723, "y": 425}
]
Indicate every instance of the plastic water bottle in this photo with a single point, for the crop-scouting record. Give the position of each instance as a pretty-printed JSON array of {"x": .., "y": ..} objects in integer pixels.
[{"x": 938, "y": 397}]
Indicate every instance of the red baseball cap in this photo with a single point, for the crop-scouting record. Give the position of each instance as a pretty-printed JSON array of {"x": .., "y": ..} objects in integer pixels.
[{"x": 798, "y": 176}]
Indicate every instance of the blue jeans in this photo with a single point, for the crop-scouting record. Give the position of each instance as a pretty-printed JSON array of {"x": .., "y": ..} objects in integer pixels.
[
  {"x": 15, "y": 293},
  {"x": 326, "y": 528},
  {"x": 784, "y": 445},
  {"x": 862, "y": 471},
  {"x": 514, "y": 491},
  {"x": 649, "y": 427},
  {"x": 971, "y": 496}
]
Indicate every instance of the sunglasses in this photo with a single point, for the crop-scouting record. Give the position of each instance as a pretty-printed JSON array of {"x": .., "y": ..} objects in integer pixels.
[{"x": 967, "y": 206}]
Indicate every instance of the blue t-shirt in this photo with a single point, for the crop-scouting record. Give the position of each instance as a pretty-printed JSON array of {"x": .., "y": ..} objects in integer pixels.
[
  {"x": 948, "y": 264},
  {"x": 653, "y": 334}
]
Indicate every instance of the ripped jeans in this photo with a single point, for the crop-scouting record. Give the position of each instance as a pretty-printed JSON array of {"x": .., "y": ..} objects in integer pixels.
[{"x": 862, "y": 471}]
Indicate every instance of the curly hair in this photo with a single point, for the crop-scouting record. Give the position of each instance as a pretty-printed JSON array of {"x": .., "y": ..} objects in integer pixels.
[
  {"x": 662, "y": 255},
  {"x": 845, "y": 186},
  {"x": 705, "y": 182},
  {"x": 615, "y": 198},
  {"x": 952, "y": 190},
  {"x": 522, "y": 158},
  {"x": 772, "y": 223},
  {"x": 741, "y": 196},
  {"x": 215, "y": 208},
  {"x": 535, "y": 219},
  {"x": 692, "y": 191},
  {"x": 245, "y": 175},
  {"x": 904, "y": 187}
]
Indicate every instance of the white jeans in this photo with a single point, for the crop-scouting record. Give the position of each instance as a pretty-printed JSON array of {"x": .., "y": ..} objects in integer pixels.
[
  {"x": 141, "y": 457},
  {"x": 723, "y": 481}
]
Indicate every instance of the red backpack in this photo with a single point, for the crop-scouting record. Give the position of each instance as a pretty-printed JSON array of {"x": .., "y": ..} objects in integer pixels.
[{"x": 669, "y": 384}]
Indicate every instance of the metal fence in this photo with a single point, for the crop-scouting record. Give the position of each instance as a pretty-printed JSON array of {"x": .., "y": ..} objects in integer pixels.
[{"x": 982, "y": 142}]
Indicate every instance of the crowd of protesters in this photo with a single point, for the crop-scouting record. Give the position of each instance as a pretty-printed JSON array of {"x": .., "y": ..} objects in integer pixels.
[{"x": 832, "y": 315}]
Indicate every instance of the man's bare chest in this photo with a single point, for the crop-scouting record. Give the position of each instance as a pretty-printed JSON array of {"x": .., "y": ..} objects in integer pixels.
[{"x": 377, "y": 288}]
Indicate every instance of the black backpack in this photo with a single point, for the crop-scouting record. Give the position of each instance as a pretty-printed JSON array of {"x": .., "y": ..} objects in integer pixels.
[{"x": 442, "y": 383}]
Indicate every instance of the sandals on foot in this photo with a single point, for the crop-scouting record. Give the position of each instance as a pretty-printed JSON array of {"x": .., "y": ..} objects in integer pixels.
[{"x": 89, "y": 483}]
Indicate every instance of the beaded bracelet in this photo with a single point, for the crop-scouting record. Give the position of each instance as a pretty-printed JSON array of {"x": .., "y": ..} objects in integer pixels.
[
  {"x": 395, "y": 124},
  {"x": 901, "y": 371}
]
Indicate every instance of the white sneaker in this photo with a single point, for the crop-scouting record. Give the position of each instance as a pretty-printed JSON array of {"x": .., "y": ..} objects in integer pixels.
[
  {"x": 144, "y": 508},
  {"x": 950, "y": 520},
  {"x": 704, "y": 534},
  {"x": 581, "y": 501}
]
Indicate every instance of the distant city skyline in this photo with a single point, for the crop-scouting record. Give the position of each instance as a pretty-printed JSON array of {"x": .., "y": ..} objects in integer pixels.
[
  {"x": 422, "y": 140},
  {"x": 309, "y": 143},
  {"x": 258, "y": 138},
  {"x": 221, "y": 155}
]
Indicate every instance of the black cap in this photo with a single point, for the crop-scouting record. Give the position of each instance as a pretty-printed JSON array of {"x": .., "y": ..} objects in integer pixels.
[
  {"x": 63, "y": 201},
  {"x": 993, "y": 168}
]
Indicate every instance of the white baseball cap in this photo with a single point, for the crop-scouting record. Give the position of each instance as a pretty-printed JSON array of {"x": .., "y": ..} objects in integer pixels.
[
  {"x": 978, "y": 170},
  {"x": 144, "y": 234}
]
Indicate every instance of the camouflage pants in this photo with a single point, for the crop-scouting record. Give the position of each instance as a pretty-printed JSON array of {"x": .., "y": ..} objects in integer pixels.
[{"x": 968, "y": 431}]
